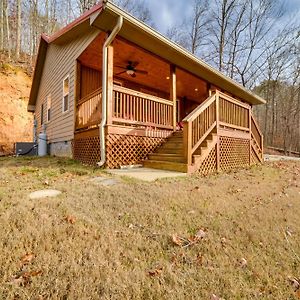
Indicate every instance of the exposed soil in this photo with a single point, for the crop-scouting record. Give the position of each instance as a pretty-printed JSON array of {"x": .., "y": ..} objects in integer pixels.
[{"x": 15, "y": 122}]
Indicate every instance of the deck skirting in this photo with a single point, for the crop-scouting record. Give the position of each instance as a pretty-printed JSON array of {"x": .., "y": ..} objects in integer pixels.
[{"x": 121, "y": 149}]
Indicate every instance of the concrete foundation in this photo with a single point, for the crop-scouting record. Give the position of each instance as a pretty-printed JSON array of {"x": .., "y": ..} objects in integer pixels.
[{"x": 62, "y": 149}]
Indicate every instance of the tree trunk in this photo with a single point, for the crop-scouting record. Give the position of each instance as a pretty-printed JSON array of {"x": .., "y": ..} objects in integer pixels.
[
  {"x": 19, "y": 22},
  {"x": 1, "y": 25},
  {"x": 7, "y": 29}
]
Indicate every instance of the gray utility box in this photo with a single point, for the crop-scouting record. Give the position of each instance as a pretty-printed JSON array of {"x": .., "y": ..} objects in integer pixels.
[{"x": 25, "y": 148}]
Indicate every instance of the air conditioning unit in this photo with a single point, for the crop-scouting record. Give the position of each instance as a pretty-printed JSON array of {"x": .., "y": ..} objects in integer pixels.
[{"x": 25, "y": 148}]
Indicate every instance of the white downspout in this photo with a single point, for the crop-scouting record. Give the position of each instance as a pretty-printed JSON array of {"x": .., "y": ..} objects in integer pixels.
[{"x": 104, "y": 89}]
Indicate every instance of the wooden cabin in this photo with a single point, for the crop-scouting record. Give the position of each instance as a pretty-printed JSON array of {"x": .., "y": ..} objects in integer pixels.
[{"x": 109, "y": 89}]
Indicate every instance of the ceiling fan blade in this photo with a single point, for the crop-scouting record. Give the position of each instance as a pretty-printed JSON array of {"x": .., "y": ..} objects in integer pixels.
[
  {"x": 120, "y": 73},
  {"x": 121, "y": 67},
  {"x": 141, "y": 71},
  {"x": 133, "y": 75}
]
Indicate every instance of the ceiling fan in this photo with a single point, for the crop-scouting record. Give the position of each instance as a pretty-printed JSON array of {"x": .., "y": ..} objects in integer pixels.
[{"x": 131, "y": 70}]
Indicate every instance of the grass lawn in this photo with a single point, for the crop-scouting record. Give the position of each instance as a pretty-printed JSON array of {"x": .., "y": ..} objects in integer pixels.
[{"x": 234, "y": 235}]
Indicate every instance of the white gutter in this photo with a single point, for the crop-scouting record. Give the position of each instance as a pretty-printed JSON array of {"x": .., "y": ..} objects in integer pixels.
[{"x": 104, "y": 89}]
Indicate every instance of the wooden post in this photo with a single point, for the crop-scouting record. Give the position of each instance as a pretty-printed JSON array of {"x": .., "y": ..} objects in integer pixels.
[
  {"x": 110, "y": 83},
  {"x": 187, "y": 142},
  {"x": 250, "y": 141},
  {"x": 173, "y": 94},
  {"x": 217, "y": 126},
  {"x": 77, "y": 92}
]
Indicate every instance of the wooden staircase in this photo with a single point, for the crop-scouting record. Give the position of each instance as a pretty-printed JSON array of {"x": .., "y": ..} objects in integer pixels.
[
  {"x": 218, "y": 117},
  {"x": 170, "y": 156}
]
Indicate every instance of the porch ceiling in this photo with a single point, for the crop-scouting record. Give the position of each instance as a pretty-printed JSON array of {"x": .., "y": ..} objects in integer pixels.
[
  {"x": 141, "y": 34},
  {"x": 158, "y": 77}
]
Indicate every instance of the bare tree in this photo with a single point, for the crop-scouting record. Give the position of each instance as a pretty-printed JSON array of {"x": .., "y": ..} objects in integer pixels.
[
  {"x": 18, "y": 38},
  {"x": 1, "y": 24},
  {"x": 7, "y": 27},
  {"x": 138, "y": 8}
]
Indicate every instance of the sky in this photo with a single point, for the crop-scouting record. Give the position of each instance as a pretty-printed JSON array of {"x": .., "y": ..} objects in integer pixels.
[{"x": 167, "y": 13}]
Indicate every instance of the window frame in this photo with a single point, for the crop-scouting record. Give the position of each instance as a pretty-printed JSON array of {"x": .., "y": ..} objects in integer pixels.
[
  {"x": 65, "y": 94},
  {"x": 42, "y": 114},
  {"x": 48, "y": 100}
]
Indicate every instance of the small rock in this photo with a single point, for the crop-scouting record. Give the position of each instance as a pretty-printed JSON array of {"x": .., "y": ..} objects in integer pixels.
[
  {"x": 243, "y": 262},
  {"x": 44, "y": 194}
]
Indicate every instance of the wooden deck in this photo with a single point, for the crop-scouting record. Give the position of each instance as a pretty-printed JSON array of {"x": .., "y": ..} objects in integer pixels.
[{"x": 218, "y": 135}]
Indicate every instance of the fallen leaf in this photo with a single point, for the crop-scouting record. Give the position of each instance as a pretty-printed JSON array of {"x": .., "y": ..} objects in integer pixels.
[
  {"x": 70, "y": 219},
  {"x": 23, "y": 278},
  {"x": 177, "y": 240},
  {"x": 31, "y": 274},
  {"x": 155, "y": 272},
  {"x": 199, "y": 259},
  {"x": 27, "y": 258}
]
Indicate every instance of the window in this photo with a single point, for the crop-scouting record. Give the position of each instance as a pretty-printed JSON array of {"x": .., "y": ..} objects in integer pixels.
[
  {"x": 66, "y": 90},
  {"x": 48, "y": 108},
  {"x": 42, "y": 114}
]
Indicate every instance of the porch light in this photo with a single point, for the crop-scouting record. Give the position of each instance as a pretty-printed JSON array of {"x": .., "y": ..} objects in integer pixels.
[
  {"x": 130, "y": 72},
  {"x": 196, "y": 90},
  {"x": 167, "y": 77}
]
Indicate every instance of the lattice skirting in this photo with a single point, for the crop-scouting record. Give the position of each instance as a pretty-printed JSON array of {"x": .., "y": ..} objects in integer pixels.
[
  {"x": 234, "y": 153},
  {"x": 209, "y": 165},
  {"x": 254, "y": 159},
  {"x": 129, "y": 149},
  {"x": 120, "y": 149},
  {"x": 86, "y": 147}
]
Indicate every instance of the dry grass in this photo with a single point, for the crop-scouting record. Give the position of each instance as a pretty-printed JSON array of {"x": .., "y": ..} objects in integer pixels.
[{"x": 96, "y": 242}]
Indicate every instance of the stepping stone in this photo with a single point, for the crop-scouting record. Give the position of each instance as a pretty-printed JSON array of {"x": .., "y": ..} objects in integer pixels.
[
  {"x": 105, "y": 181},
  {"x": 44, "y": 194}
]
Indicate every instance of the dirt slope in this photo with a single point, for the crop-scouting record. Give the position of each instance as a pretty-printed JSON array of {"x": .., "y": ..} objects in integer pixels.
[{"x": 15, "y": 121}]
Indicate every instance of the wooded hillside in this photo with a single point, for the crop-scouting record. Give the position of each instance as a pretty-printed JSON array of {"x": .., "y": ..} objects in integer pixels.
[{"x": 255, "y": 42}]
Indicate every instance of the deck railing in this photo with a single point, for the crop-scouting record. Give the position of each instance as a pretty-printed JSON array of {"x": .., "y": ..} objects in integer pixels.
[
  {"x": 217, "y": 111},
  {"x": 233, "y": 113},
  {"x": 128, "y": 108},
  {"x": 198, "y": 124},
  {"x": 136, "y": 108},
  {"x": 256, "y": 133},
  {"x": 89, "y": 110}
]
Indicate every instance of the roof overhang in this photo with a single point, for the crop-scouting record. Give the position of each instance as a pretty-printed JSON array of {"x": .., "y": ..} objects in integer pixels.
[
  {"x": 104, "y": 17},
  {"x": 151, "y": 40},
  {"x": 76, "y": 28},
  {"x": 38, "y": 70}
]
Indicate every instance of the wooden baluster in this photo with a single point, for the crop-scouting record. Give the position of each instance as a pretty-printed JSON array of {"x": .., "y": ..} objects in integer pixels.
[
  {"x": 187, "y": 140},
  {"x": 217, "y": 104},
  {"x": 173, "y": 94}
]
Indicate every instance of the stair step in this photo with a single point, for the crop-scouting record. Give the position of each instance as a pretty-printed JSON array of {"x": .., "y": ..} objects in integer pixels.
[
  {"x": 166, "y": 165},
  {"x": 175, "y": 139},
  {"x": 178, "y": 151},
  {"x": 172, "y": 145},
  {"x": 177, "y": 133},
  {"x": 167, "y": 157}
]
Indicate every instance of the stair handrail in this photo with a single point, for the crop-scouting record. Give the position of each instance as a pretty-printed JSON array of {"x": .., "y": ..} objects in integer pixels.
[
  {"x": 199, "y": 109},
  {"x": 260, "y": 142},
  {"x": 190, "y": 144}
]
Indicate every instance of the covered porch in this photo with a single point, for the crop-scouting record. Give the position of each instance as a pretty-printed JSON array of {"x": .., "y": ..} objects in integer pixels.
[{"x": 149, "y": 99}]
